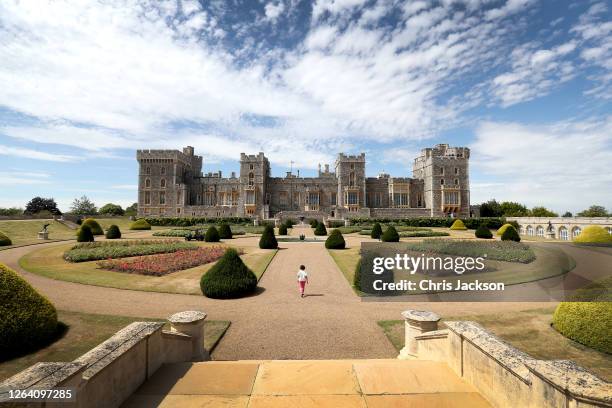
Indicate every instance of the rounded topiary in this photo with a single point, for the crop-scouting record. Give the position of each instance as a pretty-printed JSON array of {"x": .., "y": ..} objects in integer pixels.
[
  {"x": 594, "y": 234},
  {"x": 320, "y": 229},
  {"x": 229, "y": 278},
  {"x": 588, "y": 323},
  {"x": 113, "y": 232},
  {"x": 376, "y": 231},
  {"x": 140, "y": 225},
  {"x": 314, "y": 223},
  {"x": 458, "y": 225},
  {"x": 225, "y": 231},
  {"x": 212, "y": 234},
  {"x": 5, "y": 240},
  {"x": 335, "y": 240},
  {"x": 84, "y": 234},
  {"x": 390, "y": 235},
  {"x": 96, "y": 229},
  {"x": 510, "y": 234},
  {"x": 268, "y": 240},
  {"x": 483, "y": 232},
  {"x": 289, "y": 222},
  {"x": 29, "y": 320},
  {"x": 282, "y": 229},
  {"x": 503, "y": 228}
]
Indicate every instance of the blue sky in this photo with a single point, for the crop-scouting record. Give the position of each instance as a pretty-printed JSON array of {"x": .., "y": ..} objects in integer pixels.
[{"x": 525, "y": 84}]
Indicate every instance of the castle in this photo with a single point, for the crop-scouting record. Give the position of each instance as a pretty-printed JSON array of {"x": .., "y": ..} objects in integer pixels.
[{"x": 171, "y": 184}]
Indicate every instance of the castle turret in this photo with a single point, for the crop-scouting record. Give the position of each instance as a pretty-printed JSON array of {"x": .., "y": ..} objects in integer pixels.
[{"x": 350, "y": 172}]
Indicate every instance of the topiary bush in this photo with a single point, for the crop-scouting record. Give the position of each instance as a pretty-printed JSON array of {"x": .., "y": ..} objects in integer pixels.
[
  {"x": 29, "y": 320},
  {"x": 96, "y": 229},
  {"x": 314, "y": 223},
  {"x": 268, "y": 240},
  {"x": 458, "y": 225},
  {"x": 390, "y": 235},
  {"x": 212, "y": 234},
  {"x": 594, "y": 234},
  {"x": 483, "y": 232},
  {"x": 282, "y": 229},
  {"x": 510, "y": 234},
  {"x": 225, "y": 231},
  {"x": 335, "y": 240},
  {"x": 320, "y": 229},
  {"x": 503, "y": 228},
  {"x": 84, "y": 234},
  {"x": 113, "y": 232},
  {"x": 229, "y": 278},
  {"x": 588, "y": 323},
  {"x": 5, "y": 240},
  {"x": 376, "y": 231},
  {"x": 290, "y": 222},
  {"x": 140, "y": 225}
]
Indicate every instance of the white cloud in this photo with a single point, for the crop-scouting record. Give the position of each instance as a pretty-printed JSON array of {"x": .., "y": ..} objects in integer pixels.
[
  {"x": 35, "y": 154},
  {"x": 273, "y": 10},
  {"x": 509, "y": 8},
  {"x": 21, "y": 178}
]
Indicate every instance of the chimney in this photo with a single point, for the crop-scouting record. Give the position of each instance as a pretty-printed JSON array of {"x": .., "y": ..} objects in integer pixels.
[
  {"x": 327, "y": 168},
  {"x": 298, "y": 173}
]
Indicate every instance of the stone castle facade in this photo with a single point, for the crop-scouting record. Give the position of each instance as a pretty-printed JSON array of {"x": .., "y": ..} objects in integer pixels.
[{"x": 171, "y": 184}]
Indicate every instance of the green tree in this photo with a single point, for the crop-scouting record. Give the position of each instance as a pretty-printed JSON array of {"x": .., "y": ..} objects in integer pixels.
[
  {"x": 512, "y": 209},
  {"x": 38, "y": 204},
  {"x": 376, "y": 231},
  {"x": 132, "y": 210},
  {"x": 212, "y": 234},
  {"x": 483, "y": 232},
  {"x": 320, "y": 229},
  {"x": 510, "y": 234},
  {"x": 84, "y": 234},
  {"x": 11, "y": 211},
  {"x": 390, "y": 235},
  {"x": 490, "y": 208},
  {"x": 335, "y": 240},
  {"x": 225, "y": 231},
  {"x": 268, "y": 240},
  {"x": 229, "y": 278},
  {"x": 112, "y": 209},
  {"x": 543, "y": 212},
  {"x": 594, "y": 211},
  {"x": 83, "y": 206},
  {"x": 567, "y": 214}
]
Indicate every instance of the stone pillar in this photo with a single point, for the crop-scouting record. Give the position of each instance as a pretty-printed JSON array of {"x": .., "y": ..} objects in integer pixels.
[
  {"x": 347, "y": 222},
  {"x": 191, "y": 323},
  {"x": 416, "y": 322}
]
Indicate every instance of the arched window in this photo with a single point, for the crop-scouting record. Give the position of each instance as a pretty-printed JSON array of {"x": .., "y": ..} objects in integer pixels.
[
  {"x": 163, "y": 171},
  {"x": 540, "y": 231},
  {"x": 162, "y": 183},
  {"x": 148, "y": 183},
  {"x": 529, "y": 230},
  {"x": 456, "y": 182},
  {"x": 563, "y": 234},
  {"x": 147, "y": 170},
  {"x": 576, "y": 231},
  {"x": 351, "y": 179},
  {"x": 522, "y": 230},
  {"x": 251, "y": 179}
]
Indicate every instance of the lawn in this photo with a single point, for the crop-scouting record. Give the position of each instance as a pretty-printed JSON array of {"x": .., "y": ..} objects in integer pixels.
[
  {"x": 49, "y": 262},
  {"x": 86, "y": 331},
  {"x": 23, "y": 232},
  {"x": 529, "y": 331}
]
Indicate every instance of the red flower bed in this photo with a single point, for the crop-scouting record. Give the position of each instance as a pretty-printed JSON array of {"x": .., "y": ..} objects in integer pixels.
[{"x": 162, "y": 264}]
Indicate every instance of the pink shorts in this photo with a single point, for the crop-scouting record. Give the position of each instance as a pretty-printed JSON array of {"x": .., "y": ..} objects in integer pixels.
[{"x": 302, "y": 285}]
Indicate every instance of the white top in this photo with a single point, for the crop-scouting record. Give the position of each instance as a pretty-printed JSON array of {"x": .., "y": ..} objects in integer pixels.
[{"x": 302, "y": 276}]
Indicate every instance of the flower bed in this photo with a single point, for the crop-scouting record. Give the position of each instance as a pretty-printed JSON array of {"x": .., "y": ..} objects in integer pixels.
[
  {"x": 163, "y": 264},
  {"x": 95, "y": 251},
  {"x": 508, "y": 251}
]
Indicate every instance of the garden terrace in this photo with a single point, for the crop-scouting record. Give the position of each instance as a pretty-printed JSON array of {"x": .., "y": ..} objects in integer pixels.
[{"x": 104, "y": 250}]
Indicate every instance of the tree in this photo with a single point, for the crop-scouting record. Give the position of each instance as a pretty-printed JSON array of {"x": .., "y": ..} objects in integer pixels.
[
  {"x": 320, "y": 229},
  {"x": 84, "y": 234},
  {"x": 567, "y": 214},
  {"x": 390, "y": 235},
  {"x": 376, "y": 231},
  {"x": 212, "y": 234},
  {"x": 268, "y": 240},
  {"x": 11, "y": 211},
  {"x": 225, "y": 231},
  {"x": 112, "y": 209},
  {"x": 335, "y": 240},
  {"x": 38, "y": 204},
  {"x": 229, "y": 278},
  {"x": 542, "y": 212},
  {"x": 132, "y": 210},
  {"x": 113, "y": 232},
  {"x": 490, "y": 208},
  {"x": 594, "y": 211},
  {"x": 512, "y": 209},
  {"x": 483, "y": 232},
  {"x": 83, "y": 206},
  {"x": 282, "y": 229},
  {"x": 510, "y": 234}
]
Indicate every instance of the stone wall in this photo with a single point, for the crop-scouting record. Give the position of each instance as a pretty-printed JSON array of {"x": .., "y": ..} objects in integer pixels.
[{"x": 563, "y": 228}]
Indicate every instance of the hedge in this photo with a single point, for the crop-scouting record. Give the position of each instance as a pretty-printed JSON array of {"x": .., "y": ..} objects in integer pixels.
[
  {"x": 225, "y": 231},
  {"x": 282, "y": 229},
  {"x": 94, "y": 251},
  {"x": 268, "y": 240},
  {"x": 313, "y": 223},
  {"x": 96, "y": 229},
  {"x": 423, "y": 234},
  {"x": 29, "y": 320},
  {"x": 458, "y": 225},
  {"x": 506, "y": 251},
  {"x": 390, "y": 235},
  {"x": 84, "y": 234},
  {"x": 594, "y": 234},
  {"x": 588, "y": 323},
  {"x": 5, "y": 240},
  {"x": 320, "y": 229},
  {"x": 376, "y": 232},
  {"x": 140, "y": 225},
  {"x": 190, "y": 221},
  {"x": 483, "y": 232},
  {"x": 470, "y": 223},
  {"x": 503, "y": 228},
  {"x": 113, "y": 232},
  {"x": 510, "y": 234},
  {"x": 229, "y": 278},
  {"x": 335, "y": 240}
]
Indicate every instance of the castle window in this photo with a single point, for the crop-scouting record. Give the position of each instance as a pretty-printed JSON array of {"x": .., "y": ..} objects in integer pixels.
[
  {"x": 441, "y": 171},
  {"x": 352, "y": 179},
  {"x": 208, "y": 198},
  {"x": 419, "y": 200},
  {"x": 250, "y": 197},
  {"x": 353, "y": 198},
  {"x": 333, "y": 199},
  {"x": 282, "y": 199},
  {"x": 400, "y": 200},
  {"x": 251, "y": 167},
  {"x": 162, "y": 183},
  {"x": 147, "y": 198},
  {"x": 251, "y": 179},
  {"x": 147, "y": 170},
  {"x": 576, "y": 231},
  {"x": 540, "y": 231},
  {"x": 163, "y": 171},
  {"x": 162, "y": 198},
  {"x": 441, "y": 182},
  {"x": 456, "y": 182},
  {"x": 148, "y": 183},
  {"x": 178, "y": 197},
  {"x": 352, "y": 166},
  {"x": 456, "y": 170}
]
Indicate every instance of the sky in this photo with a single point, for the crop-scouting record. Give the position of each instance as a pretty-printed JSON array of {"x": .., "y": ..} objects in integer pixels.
[{"x": 525, "y": 84}]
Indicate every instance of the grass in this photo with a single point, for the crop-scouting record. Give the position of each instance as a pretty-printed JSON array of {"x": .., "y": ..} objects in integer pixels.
[
  {"x": 23, "y": 232},
  {"x": 498, "y": 250},
  {"x": 529, "y": 331},
  {"x": 85, "y": 331},
  {"x": 49, "y": 262},
  {"x": 94, "y": 251},
  {"x": 347, "y": 260}
]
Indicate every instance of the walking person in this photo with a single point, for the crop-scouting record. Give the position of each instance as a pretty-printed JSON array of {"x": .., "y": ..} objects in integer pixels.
[{"x": 302, "y": 277}]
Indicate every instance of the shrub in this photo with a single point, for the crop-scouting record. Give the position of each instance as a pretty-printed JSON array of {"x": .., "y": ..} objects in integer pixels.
[
  {"x": 503, "y": 228},
  {"x": 376, "y": 231},
  {"x": 190, "y": 221},
  {"x": 225, "y": 231},
  {"x": 390, "y": 235},
  {"x": 212, "y": 235},
  {"x": 314, "y": 223},
  {"x": 422, "y": 234},
  {"x": 510, "y": 234},
  {"x": 320, "y": 229},
  {"x": 268, "y": 240},
  {"x": 113, "y": 232},
  {"x": 335, "y": 240},
  {"x": 94, "y": 251},
  {"x": 29, "y": 320},
  {"x": 483, "y": 232},
  {"x": 588, "y": 323},
  {"x": 290, "y": 222},
  {"x": 96, "y": 229},
  {"x": 84, "y": 234},
  {"x": 5, "y": 240},
  {"x": 594, "y": 234},
  {"x": 229, "y": 278},
  {"x": 458, "y": 225},
  {"x": 282, "y": 229},
  {"x": 357, "y": 276},
  {"x": 507, "y": 251},
  {"x": 140, "y": 225}
]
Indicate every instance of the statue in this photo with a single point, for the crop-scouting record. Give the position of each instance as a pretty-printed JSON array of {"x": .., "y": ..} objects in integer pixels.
[
  {"x": 44, "y": 233},
  {"x": 45, "y": 230}
]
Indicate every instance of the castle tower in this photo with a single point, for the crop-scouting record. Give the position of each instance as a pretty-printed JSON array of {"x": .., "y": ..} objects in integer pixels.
[
  {"x": 254, "y": 173},
  {"x": 350, "y": 172},
  {"x": 445, "y": 171}
]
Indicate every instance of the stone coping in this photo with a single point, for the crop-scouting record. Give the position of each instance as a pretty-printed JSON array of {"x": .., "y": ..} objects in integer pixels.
[
  {"x": 40, "y": 376},
  {"x": 509, "y": 357},
  {"x": 569, "y": 377},
  {"x": 420, "y": 316},
  {"x": 190, "y": 316},
  {"x": 435, "y": 334}
]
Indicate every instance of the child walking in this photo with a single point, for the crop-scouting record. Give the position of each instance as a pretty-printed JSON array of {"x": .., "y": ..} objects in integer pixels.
[{"x": 302, "y": 277}]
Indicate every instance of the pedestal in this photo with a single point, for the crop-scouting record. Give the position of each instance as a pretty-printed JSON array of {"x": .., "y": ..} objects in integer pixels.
[
  {"x": 416, "y": 322},
  {"x": 191, "y": 323},
  {"x": 43, "y": 235}
]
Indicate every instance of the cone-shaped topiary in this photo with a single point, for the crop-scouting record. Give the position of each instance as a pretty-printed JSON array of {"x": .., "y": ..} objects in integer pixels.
[
  {"x": 282, "y": 229},
  {"x": 289, "y": 222},
  {"x": 268, "y": 240},
  {"x": 483, "y": 232},
  {"x": 458, "y": 225},
  {"x": 503, "y": 228},
  {"x": 510, "y": 234},
  {"x": 212, "y": 235},
  {"x": 84, "y": 234},
  {"x": 376, "y": 231},
  {"x": 594, "y": 234},
  {"x": 140, "y": 224},
  {"x": 587, "y": 323},
  {"x": 113, "y": 232},
  {"x": 229, "y": 278},
  {"x": 29, "y": 320},
  {"x": 335, "y": 240},
  {"x": 96, "y": 229},
  {"x": 225, "y": 231},
  {"x": 390, "y": 235},
  {"x": 314, "y": 223},
  {"x": 320, "y": 229},
  {"x": 5, "y": 240}
]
